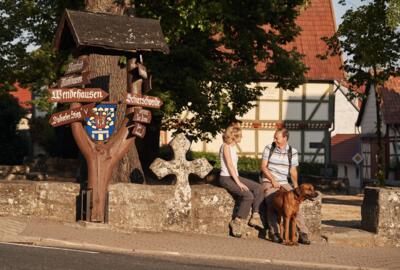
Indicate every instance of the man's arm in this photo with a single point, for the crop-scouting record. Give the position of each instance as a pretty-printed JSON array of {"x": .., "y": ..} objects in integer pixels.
[
  {"x": 267, "y": 173},
  {"x": 293, "y": 170},
  {"x": 294, "y": 176}
]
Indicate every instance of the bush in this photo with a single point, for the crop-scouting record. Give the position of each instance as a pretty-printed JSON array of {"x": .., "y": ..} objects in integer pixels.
[{"x": 247, "y": 166}]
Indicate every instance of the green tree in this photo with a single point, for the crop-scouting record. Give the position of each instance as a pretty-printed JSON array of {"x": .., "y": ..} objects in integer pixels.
[
  {"x": 25, "y": 26},
  {"x": 215, "y": 47},
  {"x": 372, "y": 48},
  {"x": 198, "y": 75}
]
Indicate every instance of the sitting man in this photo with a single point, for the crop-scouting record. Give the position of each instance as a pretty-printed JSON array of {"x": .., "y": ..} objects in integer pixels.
[{"x": 279, "y": 161}]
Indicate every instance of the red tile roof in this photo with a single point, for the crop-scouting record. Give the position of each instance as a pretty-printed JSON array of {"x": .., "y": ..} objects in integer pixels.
[
  {"x": 316, "y": 21},
  {"x": 23, "y": 95},
  {"x": 391, "y": 101},
  {"x": 344, "y": 147}
]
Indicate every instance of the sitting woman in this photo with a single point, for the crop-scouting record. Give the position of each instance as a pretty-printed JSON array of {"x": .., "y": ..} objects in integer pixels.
[{"x": 248, "y": 192}]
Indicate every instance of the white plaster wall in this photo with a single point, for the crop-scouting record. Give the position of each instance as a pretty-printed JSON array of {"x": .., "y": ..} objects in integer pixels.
[
  {"x": 368, "y": 122},
  {"x": 313, "y": 137},
  {"x": 322, "y": 113},
  {"x": 316, "y": 90},
  {"x": 354, "y": 180},
  {"x": 345, "y": 115}
]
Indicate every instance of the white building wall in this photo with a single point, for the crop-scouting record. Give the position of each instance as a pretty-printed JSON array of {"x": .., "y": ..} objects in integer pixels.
[
  {"x": 354, "y": 179},
  {"x": 345, "y": 115},
  {"x": 368, "y": 122}
]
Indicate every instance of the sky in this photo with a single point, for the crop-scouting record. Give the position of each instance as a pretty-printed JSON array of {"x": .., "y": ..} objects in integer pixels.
[{"x": 340, "y": 9}]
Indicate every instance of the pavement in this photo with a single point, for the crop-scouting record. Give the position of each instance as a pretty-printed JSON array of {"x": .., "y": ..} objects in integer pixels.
[{"x": 102, "y": 237}]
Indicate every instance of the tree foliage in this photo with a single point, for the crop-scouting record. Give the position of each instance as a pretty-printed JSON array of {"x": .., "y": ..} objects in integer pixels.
[
  {"x": 215, "y": 47},
  {"x": 26, "y": 33}
]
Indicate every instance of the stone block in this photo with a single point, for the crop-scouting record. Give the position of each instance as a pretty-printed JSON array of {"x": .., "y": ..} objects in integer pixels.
[
  {"x": 17, "y": 198},
  {"x": 133, "y": 206},
  {"x": 311, "y": 211},
  {"x": 139, "y": 206},
  {"x": 48, "y": 200},
  {"x": 212, "y": 209},
  {"x": 380, "y": 213},
  {"x": 57, "y": 200}
]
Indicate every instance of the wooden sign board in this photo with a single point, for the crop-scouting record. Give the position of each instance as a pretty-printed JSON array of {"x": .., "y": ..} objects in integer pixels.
[
  {"x": 139, "y": 130},
  {"x": 77, "y": 66},
  {"x": 142, "y": 116},
  {"x": 74, "y": 80},
  {"x": 317, "y": 145},
  {"x": 143, "y": 101},
  {"x": 77, "y": 95},
  {"x": 71, "y": 115}
]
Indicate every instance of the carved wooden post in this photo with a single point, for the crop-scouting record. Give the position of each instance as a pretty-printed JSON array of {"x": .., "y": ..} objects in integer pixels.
[{"x": 90, "y": 38}]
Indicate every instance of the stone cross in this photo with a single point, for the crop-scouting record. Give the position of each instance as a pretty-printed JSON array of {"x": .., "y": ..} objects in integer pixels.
[{"x": 180, "y": 206}]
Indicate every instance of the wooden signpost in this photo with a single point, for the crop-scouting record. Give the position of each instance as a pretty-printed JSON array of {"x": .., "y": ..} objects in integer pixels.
[
  {"x": 100, "y": 120},
  {"x": 74, "y": 80},
  {"x": 88, "y": 42},
  {"x": 71, "y": 115},
  {"x": 139, "y": 130},
  {"x": 143, "y": 101},
  {"x": 142, "y": 116},
  {"x": 77, "y": 95},
  {"x": 77, "y": 66}
]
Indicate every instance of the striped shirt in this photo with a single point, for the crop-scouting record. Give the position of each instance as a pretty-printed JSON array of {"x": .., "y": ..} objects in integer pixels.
[{"x": 279, "y": 162}]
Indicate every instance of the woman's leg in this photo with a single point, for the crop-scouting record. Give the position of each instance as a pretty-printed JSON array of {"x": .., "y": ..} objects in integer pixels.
[
  {"x": 246, "y": 198},
  {"x": 257, "y": 191}
]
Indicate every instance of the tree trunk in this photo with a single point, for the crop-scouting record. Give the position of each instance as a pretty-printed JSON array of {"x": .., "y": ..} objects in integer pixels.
[
  {"x": 381, "y": 173},
  {"x": 108, "y": 75},
  {"x": 149, "y": 147},
  {"x": 100, "y": 159}
]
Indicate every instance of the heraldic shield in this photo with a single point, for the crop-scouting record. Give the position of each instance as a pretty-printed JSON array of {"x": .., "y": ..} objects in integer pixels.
[{"x": 101, "y": 125}]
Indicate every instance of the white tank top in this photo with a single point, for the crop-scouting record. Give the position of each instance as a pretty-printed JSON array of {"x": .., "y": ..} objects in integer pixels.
[{"x": 224, "y": 168}]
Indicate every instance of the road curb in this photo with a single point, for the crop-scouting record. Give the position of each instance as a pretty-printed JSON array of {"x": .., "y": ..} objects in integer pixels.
[{"x": 103, "y": 248}]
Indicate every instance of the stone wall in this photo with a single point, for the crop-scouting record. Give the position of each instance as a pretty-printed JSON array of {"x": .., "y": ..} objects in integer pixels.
[
  {"x": 380, "y": 213},
  {"x": 137, "y": 207},
  {"x": 49, "y": 200},
  {"x": 145, "y": 207}
]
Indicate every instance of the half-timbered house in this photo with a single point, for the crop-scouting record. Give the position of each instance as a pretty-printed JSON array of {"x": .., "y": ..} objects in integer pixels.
[
  {"x": 308, "y": 111},
  {"x": 366, "y": 123}
]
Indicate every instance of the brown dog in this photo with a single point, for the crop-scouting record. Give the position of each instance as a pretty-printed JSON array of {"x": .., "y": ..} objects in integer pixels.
[{"x": 287, "y": 205}]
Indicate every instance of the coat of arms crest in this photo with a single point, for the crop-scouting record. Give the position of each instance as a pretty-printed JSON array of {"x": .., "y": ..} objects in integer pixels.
[{"x": 101, "y": 125}]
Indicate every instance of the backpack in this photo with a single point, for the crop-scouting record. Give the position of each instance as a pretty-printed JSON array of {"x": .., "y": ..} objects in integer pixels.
[{"x": 271, "y": 151}]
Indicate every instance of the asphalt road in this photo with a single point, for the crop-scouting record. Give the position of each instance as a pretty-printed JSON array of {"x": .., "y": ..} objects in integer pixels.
[{"x": 18, "y": 257}]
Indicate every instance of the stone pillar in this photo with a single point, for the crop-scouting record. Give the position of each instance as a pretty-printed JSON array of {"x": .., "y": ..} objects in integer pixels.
[{"x": 380, "y": 213}]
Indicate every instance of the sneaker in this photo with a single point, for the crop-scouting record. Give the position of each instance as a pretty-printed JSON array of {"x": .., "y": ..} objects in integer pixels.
[
  {"x": 303, "y": 239},
  {"x": 236, "y": 227},
  {"x": 255, "y": 221}
]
